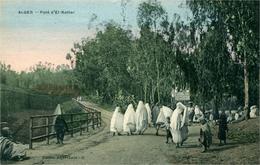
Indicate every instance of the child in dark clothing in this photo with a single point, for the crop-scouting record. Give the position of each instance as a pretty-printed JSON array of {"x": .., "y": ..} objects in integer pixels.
[
  {"x": 205, "y": 135},
  {"x": 168, "y": 129}
]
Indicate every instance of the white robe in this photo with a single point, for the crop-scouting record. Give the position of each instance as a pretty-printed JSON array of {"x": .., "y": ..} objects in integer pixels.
[
  {"x": 179, "y": 128},
  {"x": 167, "y": 111},
  {"x": 149, "y": 112},
  {"x": 253, "y": 110},
  {"x": 141, "y": 118},
  {"x": 236, "y": 116},
  {"x": 198, "y": 114},
  {"x": 211, "y": 117},
  {"x": 164, "y": 113},
  {"x": 117, "y": 120},
  {"x": 161, "y": 119},
  {"x": 129, "y": 124}
]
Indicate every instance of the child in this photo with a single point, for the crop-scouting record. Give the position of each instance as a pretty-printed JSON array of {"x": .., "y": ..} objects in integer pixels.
[
  {"x": 168, "y": 129},
  {"x": 205, "y": 135}
]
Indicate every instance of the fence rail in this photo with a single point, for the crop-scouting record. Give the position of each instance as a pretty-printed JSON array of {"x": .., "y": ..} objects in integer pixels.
[{"x": 83, "y": 122}]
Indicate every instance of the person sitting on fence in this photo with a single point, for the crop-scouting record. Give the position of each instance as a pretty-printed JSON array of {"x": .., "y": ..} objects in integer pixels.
[{"x": 60, "y": 128}]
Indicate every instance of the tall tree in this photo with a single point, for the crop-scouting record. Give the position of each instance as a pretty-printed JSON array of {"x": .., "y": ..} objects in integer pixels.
[{"x": 240, "y": 21}]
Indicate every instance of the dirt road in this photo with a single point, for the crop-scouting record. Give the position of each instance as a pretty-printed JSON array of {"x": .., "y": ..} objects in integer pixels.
[{"x": 102, "y": 148}]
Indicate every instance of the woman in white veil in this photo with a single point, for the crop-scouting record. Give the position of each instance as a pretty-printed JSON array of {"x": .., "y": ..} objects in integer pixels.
[
  {"x": 129, "y": 124},
  {"x": 179, "y": 125},
  {"x": 116, "y": 125},
  {"x": 141, "y": 118}
]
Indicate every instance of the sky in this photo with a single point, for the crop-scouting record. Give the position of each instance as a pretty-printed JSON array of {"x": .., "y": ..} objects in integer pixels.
[{"x": 43, "y": 35}]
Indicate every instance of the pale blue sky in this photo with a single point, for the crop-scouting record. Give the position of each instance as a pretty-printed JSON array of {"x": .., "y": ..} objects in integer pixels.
[{"x": 29, "y": 38}]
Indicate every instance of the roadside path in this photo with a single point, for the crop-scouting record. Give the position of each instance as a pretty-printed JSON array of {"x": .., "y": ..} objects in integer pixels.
[{"x": 99, "y": 147}]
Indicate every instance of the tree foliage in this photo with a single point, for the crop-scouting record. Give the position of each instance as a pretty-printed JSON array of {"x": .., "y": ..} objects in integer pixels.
[
  {"x": 214, "y": 54},
  {"x": 43, "y": 77},
  {"x": 202, "y": 55},
  {"x": 236, "y": 26}
]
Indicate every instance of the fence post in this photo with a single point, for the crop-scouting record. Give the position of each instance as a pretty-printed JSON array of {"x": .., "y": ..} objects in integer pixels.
[
  {"x": 47, "y": 130},
  {"x": 80, "y": 122},
  {"x": 71, "y": 120},
  {"x": 93, "y": 123},
  {"x": 100, "y": 119},
  {"x": 31, "y": 132},
  {"x": 87, "y": 121}
]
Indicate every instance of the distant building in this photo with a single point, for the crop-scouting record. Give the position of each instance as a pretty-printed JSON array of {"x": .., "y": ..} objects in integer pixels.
[{"x": 183, "y": 95}]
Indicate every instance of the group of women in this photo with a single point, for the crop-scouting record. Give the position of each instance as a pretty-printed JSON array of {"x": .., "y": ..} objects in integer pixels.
[{"x": 136, "y": 122}]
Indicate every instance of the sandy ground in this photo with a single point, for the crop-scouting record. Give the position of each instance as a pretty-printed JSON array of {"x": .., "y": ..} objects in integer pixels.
[{"x": 100, "y": 147}]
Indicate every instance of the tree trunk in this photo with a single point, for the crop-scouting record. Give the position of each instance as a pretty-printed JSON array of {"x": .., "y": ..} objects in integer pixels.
[
  {"x": 215, "y": 108},
  {"x": 158, "y": 81},
  {"x": 153, "y": 92},
  {"x": 145, "y": 92},
  {"x": 246, "y": 89}
]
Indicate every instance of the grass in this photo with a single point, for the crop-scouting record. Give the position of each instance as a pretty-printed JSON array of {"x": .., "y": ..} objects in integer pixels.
[{"x": 245, "y": 131}]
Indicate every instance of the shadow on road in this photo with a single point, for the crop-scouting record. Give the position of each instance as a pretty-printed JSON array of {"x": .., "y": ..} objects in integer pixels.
[
  {"x": 190, "y": 146},
  {"x": 222, "y": 148}
]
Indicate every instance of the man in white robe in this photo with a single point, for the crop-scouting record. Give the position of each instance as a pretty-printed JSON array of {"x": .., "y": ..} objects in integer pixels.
[
  {"x": 141, "y": 118},
  {"x": 116, "y": 125},
  {"x": 129, "y": 124},
  {"x": 179, "y": 126}
]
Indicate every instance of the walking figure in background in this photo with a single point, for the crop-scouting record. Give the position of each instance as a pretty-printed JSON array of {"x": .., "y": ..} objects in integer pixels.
[
  {"x": 223, "y": 128},
  {"x": 60, "y": 127},
  {"x": 205, "y": 135},
  {"x": 168, "y": 129},
  {"x": 155, "y": 114},
  {"x": 191, "y": 112}
]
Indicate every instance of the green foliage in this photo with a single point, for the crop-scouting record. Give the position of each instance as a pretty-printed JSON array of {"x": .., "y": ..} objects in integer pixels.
[
  {"x": 15, "y": 99},
  {"x": 209, "y": 55},
  {"x": 102, "y": 63},
  {"x": 41, "y": 77},
  {"x": 233, "y": 47},
  {"x": 199, "y": 55},
  {"x": 121, "y": 69},
  {"x": 150, "y": 14}
]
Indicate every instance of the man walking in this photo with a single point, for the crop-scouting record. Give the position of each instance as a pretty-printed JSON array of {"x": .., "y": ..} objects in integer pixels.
[
  {"x": 60, "y": 127},
  {"x": 222, "y": 128}
]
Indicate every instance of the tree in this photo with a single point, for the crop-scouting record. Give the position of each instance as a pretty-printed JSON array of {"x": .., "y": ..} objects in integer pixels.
[
  {"x": 240, "y": 22},
  {"x": 101, "y": 63},
  {"x": 153, "y": 50}
]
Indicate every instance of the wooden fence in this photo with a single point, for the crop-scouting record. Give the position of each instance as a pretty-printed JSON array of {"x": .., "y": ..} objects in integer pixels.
[{"x": 77, "y": 122}]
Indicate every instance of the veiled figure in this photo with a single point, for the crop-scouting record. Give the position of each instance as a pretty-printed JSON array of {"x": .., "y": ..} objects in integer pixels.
[
  {"x": 129, "y": 124},
  {"x": 161, "y": 119},
  {"x": 141, "y": 118},
  {"x": 149, "y": 112},
  {"x": 179, "y": 125},
  {"x": 155, "y": 114},
  {"x": 116, "y": 125}
]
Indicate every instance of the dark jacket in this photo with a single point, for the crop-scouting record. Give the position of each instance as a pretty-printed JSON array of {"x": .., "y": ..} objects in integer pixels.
[
  {"x": 60, "y": 125},
  {"x": 222, "y": 126}
]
